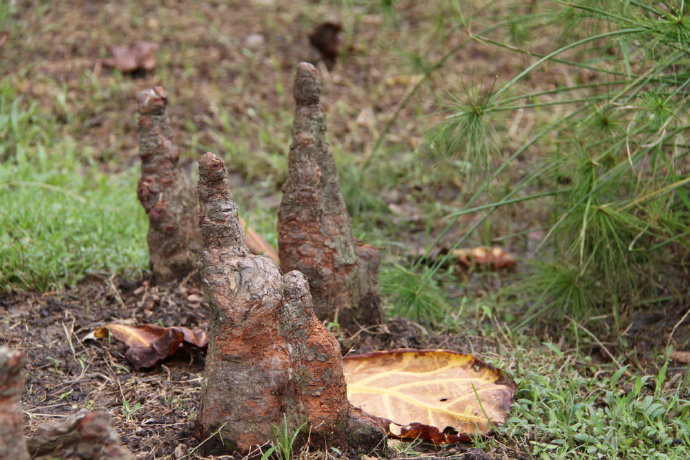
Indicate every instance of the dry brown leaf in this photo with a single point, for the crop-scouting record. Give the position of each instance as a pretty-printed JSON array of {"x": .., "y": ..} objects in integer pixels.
[
  {"x": 4, "y": 36},
  {"x": 494, "y": 258},
  {"x": 148, "y": 343},
  {"x": 682, "y": 357},
  {"x": 327, "y": 38},
  {"x": 133, "y": 57},
  {"x": 257, "y": 244},
  {"x": 439, "y": 396},
  {"x": 404, "y": 80}
]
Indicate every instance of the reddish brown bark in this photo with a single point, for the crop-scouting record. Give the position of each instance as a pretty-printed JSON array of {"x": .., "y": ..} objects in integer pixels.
[
  {"x": 12, "y": 444},
  {"x": 314, "y": 228},
  {"x": 84, "y": 435},
  {"x": 165, "y": 192},
  {"x": 268, "y": 355}
]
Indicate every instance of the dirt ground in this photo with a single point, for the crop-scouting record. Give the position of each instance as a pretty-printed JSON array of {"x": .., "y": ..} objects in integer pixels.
[{"x": 154, "y": 410}]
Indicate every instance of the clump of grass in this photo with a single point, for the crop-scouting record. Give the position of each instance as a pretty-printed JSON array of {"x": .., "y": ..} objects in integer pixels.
[
  {"x": 414, "y": 293},
  {"x": 467, "y": 132},
  {"x": 63, "y": 217},
  {"x": 361, "y": 203},
  {"x": 285, "y": 436},
  {"x": 557, "y": 284}
]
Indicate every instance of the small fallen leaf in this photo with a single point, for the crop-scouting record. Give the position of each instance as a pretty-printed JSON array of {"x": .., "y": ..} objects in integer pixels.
[
  {"x": 257, "y": 244},
  {"x": 682, "y": 357},
  {"x": 195, "y": 298},
  {"x": 404, "y": 80},
  {"x": 327, "y": 39},
  {"x": 438, "y": 396},
  {"x": 494, "y": 258},
  {"x": 133, "y": 57},
  {"x": 4, "y": 36},
  {"x": 254, "y": 42},
  {"x": 148, "y": 343}
]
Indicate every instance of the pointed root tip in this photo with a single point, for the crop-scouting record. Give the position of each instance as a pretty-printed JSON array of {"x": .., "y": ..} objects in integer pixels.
[
  {"x": 307, "y": 88},
  {"x": 212, "y": 169},
  {"x": 295, "y": 285},
  {"x": 218, "y": 219},
  {"x": 152, "y": 100}
]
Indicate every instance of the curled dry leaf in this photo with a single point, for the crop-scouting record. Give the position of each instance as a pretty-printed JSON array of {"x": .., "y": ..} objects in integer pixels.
[
  {"x": 133, "y": 57},
  {"x": 682, "y": 357},
  {"x": 148, "y": 344},
  {"x": 494, "y": 258},
  {"x": 327, "y": 38},
  {"x": 438, "y": 396}
]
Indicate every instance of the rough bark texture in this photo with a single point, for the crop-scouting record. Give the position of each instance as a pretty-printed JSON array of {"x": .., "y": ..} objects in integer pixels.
[
  {"x": 314, "y": 228},
  {"x": 165, "y": 192},
  {"x": 12, "y": 446},
  {"x": 268, "y": 354},
  {"x": 84, "y": 435}
]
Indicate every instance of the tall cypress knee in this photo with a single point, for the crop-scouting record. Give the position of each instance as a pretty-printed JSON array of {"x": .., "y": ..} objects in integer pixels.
[
  {"x": 314, "y": 227},
  {"x": 165, "y": 192},
  {"x": 268, "y": 357}
]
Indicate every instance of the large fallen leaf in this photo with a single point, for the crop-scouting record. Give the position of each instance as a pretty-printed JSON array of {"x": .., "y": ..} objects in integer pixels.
[
  {"x": 148, "y": 344},
  {"x": 438, "y": 396}
]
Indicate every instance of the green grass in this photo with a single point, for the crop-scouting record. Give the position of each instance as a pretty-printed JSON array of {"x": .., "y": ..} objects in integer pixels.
[
  {"x": 285, "y": 435},
  {"x": 569, "y": 406},
  {"x": 63, "y": 218}
]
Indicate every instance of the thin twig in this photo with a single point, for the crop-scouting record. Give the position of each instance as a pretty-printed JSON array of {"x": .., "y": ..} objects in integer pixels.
[{"x": 673, "y": 331}]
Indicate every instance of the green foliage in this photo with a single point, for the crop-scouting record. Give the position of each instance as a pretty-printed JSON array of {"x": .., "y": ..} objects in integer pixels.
[
  {"x": 562, "y": 411},
  {"x": 366, "y": 208},
  {"x": 467, "y": 132},
  {"x": 285, "y": 435},
  {"x": 63, "y": 217},
  {"x": 414, "y": 293},
  {"x": 621, "y": 146}
]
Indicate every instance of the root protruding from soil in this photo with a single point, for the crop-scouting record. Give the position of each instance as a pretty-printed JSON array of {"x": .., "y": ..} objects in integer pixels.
[
  {"x": 269, "y": 358},
  {"x": 314, "y": 227},
  {"x": 12, "y": 446},
  {"x": 165, "y": 192},
  {"x": 84, "y": 435}
]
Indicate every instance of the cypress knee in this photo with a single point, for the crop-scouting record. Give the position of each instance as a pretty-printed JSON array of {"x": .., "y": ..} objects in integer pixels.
[
  {"x": 165, "y": 192},
  {"x": 268, "y": 357},
  {"x": 314, "y": 227},
  {"x": 12, "y": 445}
]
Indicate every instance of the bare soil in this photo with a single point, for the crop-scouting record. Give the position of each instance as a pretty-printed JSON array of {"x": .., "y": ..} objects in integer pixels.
[{"x": 154, "y": 410}]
